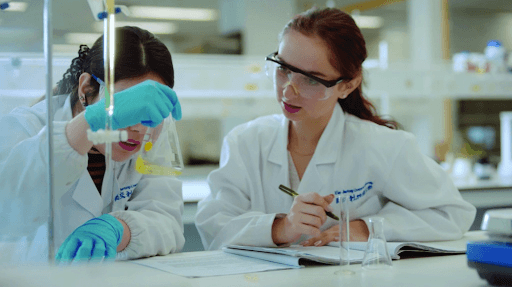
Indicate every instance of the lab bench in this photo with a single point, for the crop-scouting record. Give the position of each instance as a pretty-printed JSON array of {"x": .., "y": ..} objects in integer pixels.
[{"x": 448, "y": 270}]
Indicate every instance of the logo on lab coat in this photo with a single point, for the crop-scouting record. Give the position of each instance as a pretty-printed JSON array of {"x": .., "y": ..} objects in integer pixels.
[
  {"x": 125, "y": 192},
  {"x": 357, "y": 193}
]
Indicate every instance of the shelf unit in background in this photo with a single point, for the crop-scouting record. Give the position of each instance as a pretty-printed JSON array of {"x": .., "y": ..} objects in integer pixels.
[{"x": 238, "y": 76}]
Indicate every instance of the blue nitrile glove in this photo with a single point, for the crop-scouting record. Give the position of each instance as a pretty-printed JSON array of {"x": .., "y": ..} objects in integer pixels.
[
  {"x": 148, "y": 103},
  {"x": 95, "y": 239}
]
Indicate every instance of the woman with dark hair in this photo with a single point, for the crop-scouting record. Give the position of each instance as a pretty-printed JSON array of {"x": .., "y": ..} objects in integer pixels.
[
  {"x": 125, "y": 216},
  {"x": 329, "y": 140}
]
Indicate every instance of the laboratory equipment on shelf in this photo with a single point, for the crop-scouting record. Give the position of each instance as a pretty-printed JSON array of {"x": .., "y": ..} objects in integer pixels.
[
  {"x": 495, "y": 54},
  {"x": 483, "y": 169},
  {"x": 160, "y": 153},
  {"x": 376, "y": 255}
]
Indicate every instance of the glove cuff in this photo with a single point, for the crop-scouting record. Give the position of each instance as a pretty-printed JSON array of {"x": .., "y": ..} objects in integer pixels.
[
  {"x": 116, "y": 225},
  {"x": 95, "y": 115}
]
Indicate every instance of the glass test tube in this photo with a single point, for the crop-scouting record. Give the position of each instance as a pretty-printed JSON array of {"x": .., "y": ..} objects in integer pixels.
[
  {"x": 344, "y": 234},
  {"x": 108, "y": 65}
]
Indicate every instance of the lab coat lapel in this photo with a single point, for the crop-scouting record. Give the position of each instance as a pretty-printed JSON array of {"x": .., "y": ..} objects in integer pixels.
[
  {"x": 64, "y": 113},
  {"x": 278, "y": 155},
  {"x": 87, "y": 196},
  {"x": 108, "y": 186},
  {"x": 326, "y": 153},
  {"x": 329, "y": 145}
]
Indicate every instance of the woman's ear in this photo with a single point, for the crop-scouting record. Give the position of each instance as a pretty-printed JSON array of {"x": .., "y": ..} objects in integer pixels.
[
  {"x": 84, "y": 87},
  {"x": 348, "y": 87}
]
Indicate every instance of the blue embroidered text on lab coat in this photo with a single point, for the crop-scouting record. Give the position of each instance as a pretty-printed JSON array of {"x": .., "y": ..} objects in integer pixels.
[
  {"x": 356, "y": 193},
  {"x": 125, "y": 192}
]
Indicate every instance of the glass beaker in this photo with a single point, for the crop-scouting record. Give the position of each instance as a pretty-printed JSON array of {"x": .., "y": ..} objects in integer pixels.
[
  {"x": 160, "y": 153},
  {"x": 344, "y": 225},
  {"x": 376, "y": 255}
]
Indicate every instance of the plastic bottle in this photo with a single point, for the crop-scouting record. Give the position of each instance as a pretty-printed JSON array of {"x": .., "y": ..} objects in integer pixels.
[
  {"x": 461, "y": 61},
  {"x": 495, "y": 54}
]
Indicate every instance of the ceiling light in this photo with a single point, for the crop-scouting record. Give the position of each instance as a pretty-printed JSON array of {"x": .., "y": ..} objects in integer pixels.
[
  {"x": 171, "y": 13},
  {"x": 153, "y": 27},
  {"x": 17, "y": 7},
  {"x": 367, "y": 22},
  {"x": 81, "y": 38}
]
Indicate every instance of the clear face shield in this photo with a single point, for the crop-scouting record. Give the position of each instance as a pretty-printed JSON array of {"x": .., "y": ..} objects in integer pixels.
[{"x": 303, "y": 83}]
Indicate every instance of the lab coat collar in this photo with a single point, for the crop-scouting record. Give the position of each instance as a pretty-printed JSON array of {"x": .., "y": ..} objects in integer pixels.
[
  {"x": 278, "y": 153},
  {"x": 86, "y": 195},
  {"x": 109, "y": 181},
  {"x": 94, "y": 202},
  {"x": 63, "y": 113},
  {"x": 328, "y": 146}
]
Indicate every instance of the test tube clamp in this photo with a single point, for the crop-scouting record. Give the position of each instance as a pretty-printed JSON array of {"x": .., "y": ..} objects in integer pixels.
[{"x": 107, "y": 136}]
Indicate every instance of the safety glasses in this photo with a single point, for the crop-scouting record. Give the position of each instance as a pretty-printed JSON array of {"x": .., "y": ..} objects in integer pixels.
[
  {"x": 306, "y": 84},
  {"x": 102, "y": 86}
]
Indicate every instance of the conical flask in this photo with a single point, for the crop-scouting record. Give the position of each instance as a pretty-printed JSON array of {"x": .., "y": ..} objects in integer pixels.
[
  {"x": 376, "y": 255},
  {"x": 160, "y": 153}
]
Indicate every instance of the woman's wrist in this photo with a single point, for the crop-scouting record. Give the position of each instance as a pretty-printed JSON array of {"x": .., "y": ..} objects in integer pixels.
[
  {"x": 76, "y": 133},
  {"x": 127, "y": 235},
  {"x": 280, "y": 230},
  {"x": 359, "y": 230}
]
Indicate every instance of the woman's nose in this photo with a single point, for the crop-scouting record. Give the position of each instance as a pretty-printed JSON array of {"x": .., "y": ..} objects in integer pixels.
[
  {"x": 137, "y": 128},
  {"x": 290, "y": 89}
]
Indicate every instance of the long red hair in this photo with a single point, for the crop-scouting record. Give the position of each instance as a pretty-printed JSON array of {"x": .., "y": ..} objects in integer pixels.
[{"x": 348, "y": 51}]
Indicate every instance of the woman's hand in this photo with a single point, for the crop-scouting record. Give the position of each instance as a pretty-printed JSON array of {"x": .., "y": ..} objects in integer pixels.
[
  {"x": 147, "y": 103},
  {"x": 358, "y": 232},
  {"x": 306, "y": 216},
  {"x": 97, "y": 239}
]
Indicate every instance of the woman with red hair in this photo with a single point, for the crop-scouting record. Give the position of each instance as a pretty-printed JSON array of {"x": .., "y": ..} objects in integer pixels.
[{"x": 329, "y": 140}]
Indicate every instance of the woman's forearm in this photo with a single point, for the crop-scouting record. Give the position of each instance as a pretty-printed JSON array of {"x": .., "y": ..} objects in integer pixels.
[{"x": 76, "y": 133}]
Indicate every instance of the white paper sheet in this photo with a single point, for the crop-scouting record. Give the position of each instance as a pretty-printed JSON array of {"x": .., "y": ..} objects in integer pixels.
[{"x": 215, "y": 263}]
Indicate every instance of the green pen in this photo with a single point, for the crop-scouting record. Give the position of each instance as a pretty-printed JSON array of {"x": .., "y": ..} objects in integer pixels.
[{"x": 292, "y": 193}]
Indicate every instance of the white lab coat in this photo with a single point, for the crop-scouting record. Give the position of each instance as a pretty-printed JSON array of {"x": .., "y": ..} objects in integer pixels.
[
  {"x": 151, "y": 206},
  {"x": 382, "y": 169}
]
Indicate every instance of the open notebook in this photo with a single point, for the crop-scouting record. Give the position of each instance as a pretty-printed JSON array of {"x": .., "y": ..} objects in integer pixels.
[{"x": 330, "y": 254}]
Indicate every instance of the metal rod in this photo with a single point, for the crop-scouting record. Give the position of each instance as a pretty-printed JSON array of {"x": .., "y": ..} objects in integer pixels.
[
  {"x": 108, "y": 62},
  {"x": 48, "y": 34}
]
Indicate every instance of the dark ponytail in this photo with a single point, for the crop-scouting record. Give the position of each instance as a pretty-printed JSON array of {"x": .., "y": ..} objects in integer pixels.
[{"x": 69, "y": 82}]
